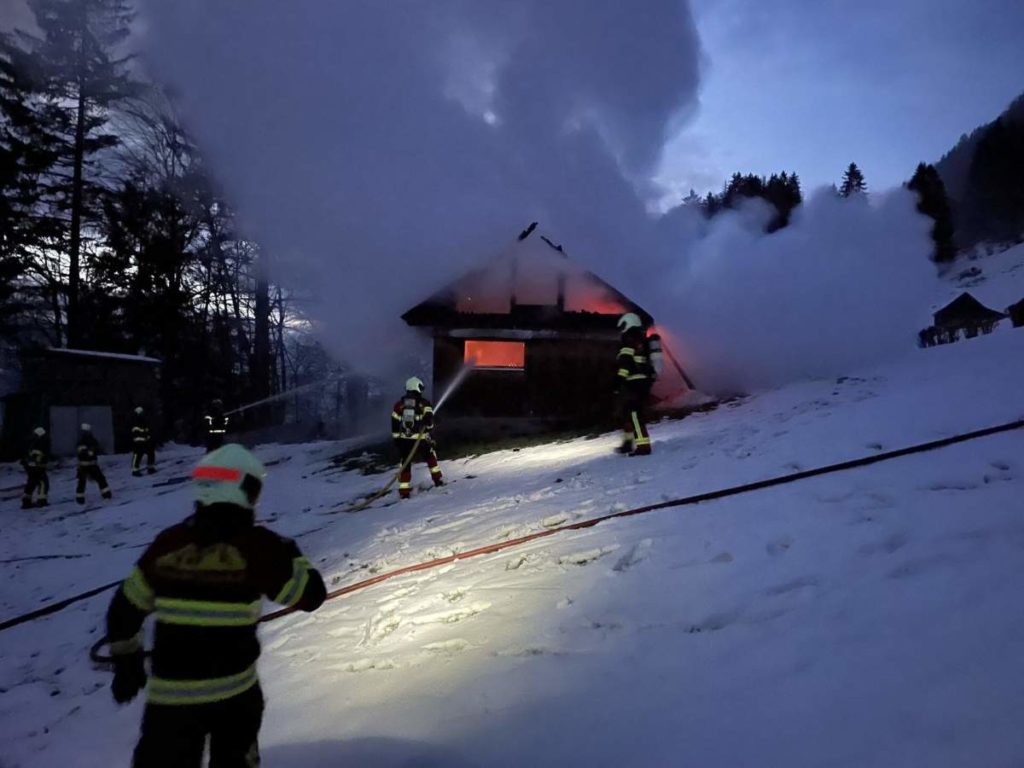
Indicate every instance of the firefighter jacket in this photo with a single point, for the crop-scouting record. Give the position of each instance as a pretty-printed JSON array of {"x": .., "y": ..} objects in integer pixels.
[
  {"x": 639, "y": 361},
  {"x": 412, "y": 418},
  {"x": 205, "y": 579},
  {"x": 88, "y": 448},
  {"x": 216, "y": 423},
  {"x": 141, "y": 435},
  {"x": 38, "y": 454}
]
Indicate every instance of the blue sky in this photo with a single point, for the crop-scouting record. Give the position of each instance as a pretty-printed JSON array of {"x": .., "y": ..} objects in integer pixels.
[{"x": 809, "y": 85}]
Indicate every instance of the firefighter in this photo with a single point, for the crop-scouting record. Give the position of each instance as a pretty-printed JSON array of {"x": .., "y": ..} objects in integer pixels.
[
  {"x": 204, "y": 579},
  {"x": 142, "y": 444},
  {"x": 412, "y": 419},
  {"x": 37, "y": 485},
  {"x": 639, "y": 363},
  {"x": 89, "y": 466},
  {"x": 216, "y": 425}
]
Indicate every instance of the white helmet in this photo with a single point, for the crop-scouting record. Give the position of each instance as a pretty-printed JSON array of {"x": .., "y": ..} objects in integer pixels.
[
  {"x": 415, "y": 384},
  {"x": 87, "y": 427},
  {"x": 630, "y": 320},
  {"x": 138, "y": 411},
  {"x": 39, "y": 432},
  {"x": 229, "y": 475}
]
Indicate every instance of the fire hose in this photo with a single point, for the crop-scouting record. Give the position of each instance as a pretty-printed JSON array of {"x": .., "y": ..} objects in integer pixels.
[{"x": 700, "y": 498}]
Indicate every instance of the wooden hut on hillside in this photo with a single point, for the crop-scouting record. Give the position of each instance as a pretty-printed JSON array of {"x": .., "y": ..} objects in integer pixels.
[{"x": 539, "y": 332}]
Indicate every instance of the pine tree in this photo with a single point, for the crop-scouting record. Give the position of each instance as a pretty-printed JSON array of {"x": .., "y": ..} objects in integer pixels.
[
  {"x": 81, "y": 74},
  {"x": 933, "y": 202},
  {"x": 27, "y": 152},
  {"x": 853, "y": 182}
]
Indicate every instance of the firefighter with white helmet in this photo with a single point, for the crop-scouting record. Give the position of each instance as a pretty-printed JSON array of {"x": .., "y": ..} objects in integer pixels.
[
  {"x": 639, "y": 363},
  {"x": 37, "y": 485},
  {"x": 412, "y": 421},
  {"x": 205, "y": 579},
  {"x": 89, "y": 465}
]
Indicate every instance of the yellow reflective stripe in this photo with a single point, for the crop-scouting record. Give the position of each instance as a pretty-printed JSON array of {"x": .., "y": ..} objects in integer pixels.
[
  {"x": 404, "y": 486},
  {"x": 638, "y": 377},
  {"x": 396, "y": 416},
  {"x": 206, "y": 613},
  {"x": 624, "y": 373},
  {"x": 292, "y": 591},
  {"x": 636, "y": 426},
  {"x": 176, "y": 692},
  {"x": 628, "y": 351},
  {"x": 138, "y": 591},
  {"x": 124, "y": 647},
  {"x": 427, "y": 410}
]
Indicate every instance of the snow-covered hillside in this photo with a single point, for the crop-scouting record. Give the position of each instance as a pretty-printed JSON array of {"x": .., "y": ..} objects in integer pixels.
[
  {"x": 996, "y": 280},
  {"x": 869, "y": 618}
]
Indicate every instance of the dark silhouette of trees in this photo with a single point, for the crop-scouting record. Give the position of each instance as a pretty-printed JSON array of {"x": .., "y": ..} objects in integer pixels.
[
  {"x": 932, "y": 201},
  {"x": 853, "y": 182}
]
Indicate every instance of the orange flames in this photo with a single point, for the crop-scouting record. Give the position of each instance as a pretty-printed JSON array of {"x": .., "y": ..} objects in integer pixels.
[{"x": 496, "y": 354}]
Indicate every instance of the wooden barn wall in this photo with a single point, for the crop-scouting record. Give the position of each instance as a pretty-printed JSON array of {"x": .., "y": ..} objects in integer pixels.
[{"x": 565, "y": 379}]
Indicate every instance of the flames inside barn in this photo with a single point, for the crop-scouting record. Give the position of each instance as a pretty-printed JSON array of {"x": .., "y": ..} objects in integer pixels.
[{"x": 539, "y": 332}]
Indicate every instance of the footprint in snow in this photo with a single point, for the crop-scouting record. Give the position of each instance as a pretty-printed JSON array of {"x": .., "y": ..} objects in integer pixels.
[
  {"x": 779, "y": 546},
  {"x": 921, "y": 565},
  {"x": 636, "y": 554},
  {"x": 587, "y": 557},
  {"x": 890, "y": 544},
  {"x": 804, "y": 582}
]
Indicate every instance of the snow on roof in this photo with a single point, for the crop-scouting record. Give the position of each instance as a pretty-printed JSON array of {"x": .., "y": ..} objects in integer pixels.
[{"x": 108, "y": 355}]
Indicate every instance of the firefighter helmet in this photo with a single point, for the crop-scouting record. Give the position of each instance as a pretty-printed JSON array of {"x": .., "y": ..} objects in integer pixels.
[
  {"x": 87, "y": 427},
  {"x": 229, "y": 475},
  {"x": 630, "y": 320},
  {"x": 139, "y": 411},
  {"x": 415, "y": 384},
  {"x": 39, "y": 432}
]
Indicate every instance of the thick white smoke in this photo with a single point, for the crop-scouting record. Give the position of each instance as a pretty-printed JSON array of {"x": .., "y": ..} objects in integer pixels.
[
  {"x": 380, "y": 148},
  {"x": 846, "y": 284}
]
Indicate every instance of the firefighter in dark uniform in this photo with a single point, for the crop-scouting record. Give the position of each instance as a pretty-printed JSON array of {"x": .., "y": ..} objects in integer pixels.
[
  {"x": 37, "y": 485},
  {"x": 204, "y": 579},
  {"x": 89, "y": 465},
  {"x": 412, "y": 419},
  {"x": 142, "y": 444},
  {"x": 216, "y": 426},
  {"x": 639, "y": 363}
]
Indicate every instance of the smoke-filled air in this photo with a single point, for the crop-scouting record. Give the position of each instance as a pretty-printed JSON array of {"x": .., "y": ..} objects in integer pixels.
[{"x": 377, "y": 150}]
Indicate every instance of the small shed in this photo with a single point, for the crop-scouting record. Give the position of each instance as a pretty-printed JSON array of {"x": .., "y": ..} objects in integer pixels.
[
  {"x": 968, "y": 313},
  {"x": 61, "y": 388},
  {"x": 1016, "y": 313},
  {"x": 537, "y": 333}
]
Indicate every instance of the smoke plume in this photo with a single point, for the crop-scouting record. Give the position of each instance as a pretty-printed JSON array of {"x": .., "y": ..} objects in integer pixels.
[{"x": 378, "y": 149}]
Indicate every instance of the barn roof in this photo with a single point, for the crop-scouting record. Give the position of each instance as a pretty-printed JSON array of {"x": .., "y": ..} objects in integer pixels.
[
  {"x": 965, "y": 309},
  {"x": 531, "y": 285}
]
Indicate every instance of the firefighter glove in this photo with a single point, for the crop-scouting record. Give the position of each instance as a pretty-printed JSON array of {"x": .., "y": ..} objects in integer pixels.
[{"x": 129, "y": 676}]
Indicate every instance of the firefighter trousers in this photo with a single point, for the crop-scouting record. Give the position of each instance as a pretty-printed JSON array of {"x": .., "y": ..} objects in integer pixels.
[
  {"x": 425, "y": 452},
  {"x": 143, "y": 449},
  {"x": 636, "y": 438},
  {"x": 174, "y": 736},
  {"x": 214, "y": 440},
  {"x": 87, "y": 472},
  {"x": 37, "y": 487}
]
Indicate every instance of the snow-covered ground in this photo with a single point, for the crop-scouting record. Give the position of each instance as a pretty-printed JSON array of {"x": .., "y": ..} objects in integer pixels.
[
  {"x": 869, "y": 618},
  {"x": 996, "y": 280}
]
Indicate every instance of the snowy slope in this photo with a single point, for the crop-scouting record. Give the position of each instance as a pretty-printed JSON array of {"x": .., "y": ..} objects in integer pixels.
[
  {"x": 996, "y": 280},
  {"x": 869, "y": 618}
]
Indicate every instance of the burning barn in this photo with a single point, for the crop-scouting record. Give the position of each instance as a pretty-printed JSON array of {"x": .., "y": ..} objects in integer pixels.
[{"x": 539, "y": 332}]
